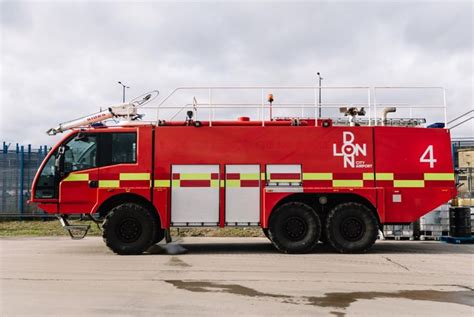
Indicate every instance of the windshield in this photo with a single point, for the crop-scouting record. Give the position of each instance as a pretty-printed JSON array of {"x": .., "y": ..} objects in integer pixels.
[{"x": 79, "y": 153}]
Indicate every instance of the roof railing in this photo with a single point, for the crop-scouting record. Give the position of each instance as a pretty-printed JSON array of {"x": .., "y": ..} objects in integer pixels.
[{"x": 373, "y": 96}]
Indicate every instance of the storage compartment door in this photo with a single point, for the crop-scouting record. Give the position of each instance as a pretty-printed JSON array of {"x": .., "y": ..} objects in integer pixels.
[
  {"x": 284, "y": 175},
  {"x": 242, "y": 195},
  {"x": 195, "y": 195}
]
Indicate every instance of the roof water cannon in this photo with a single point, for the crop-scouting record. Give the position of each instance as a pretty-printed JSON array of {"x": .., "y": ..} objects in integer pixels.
[
  {"x": 128, "y": 111},
  {"x": 352, "y": 112}
]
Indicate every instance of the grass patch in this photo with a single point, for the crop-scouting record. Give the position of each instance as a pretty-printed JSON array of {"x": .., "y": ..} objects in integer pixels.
[
  {"x": 46, "y": 228},
  {"x": 40, "y": 228}
]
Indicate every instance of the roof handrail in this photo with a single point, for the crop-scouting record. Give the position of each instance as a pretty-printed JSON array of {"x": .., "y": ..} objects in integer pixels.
[{"x": 459, "y": 117}]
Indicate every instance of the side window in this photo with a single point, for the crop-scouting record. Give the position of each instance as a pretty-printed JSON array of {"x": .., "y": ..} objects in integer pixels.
[
  {"x": 80, "y": 153},
  {"x": 124, "y": 148},
  {"x": 118, "y": 148}
]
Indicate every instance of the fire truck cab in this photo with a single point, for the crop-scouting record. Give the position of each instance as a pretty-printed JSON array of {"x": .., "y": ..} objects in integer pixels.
[{"x": 302, "y": 180}]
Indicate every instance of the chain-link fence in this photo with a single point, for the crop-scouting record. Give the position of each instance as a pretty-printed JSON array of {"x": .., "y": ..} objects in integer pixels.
[{"x": 18, "y": 165}]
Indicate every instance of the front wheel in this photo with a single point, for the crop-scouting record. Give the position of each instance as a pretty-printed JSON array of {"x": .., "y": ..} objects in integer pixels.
[
  {"x": 294, "y": 228},
  {"x": 129, "y": 228},
  {"x": 351, "y": 228}
]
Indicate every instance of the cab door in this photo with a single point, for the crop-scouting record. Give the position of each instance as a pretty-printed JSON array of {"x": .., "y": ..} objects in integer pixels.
[{"x": 78, "y": 179}]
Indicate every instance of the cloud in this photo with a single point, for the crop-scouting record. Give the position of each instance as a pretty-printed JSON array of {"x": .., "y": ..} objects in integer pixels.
[{"x": 61, "y": 60}]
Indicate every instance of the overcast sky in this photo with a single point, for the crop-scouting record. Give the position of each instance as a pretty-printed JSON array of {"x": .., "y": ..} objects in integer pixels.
[{"x": 62, "y": 59}]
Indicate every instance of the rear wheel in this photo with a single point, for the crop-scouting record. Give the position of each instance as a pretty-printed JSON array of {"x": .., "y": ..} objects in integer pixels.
[
  {"x": 129, "y": 228},
  {"x": 294, "y": 228},
  {"x": 351, "y": 228}
]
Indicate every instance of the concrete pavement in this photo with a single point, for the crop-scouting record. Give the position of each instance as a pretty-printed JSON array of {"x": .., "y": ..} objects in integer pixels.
[{"x": 233, "y": 276}]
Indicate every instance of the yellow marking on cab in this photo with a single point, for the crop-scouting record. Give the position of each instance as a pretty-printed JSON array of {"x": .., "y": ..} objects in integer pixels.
[
  {"x": 109, "y": 184},
  {"x": 76, "y": 177},
  {"x": 262, "y": 176}
]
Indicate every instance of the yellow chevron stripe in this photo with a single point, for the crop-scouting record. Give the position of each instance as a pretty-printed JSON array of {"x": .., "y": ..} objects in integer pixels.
[
  {"x": 368, "y": 176},
  {"x": 109, "y": 184},
  {"x": 76, "y": 177},
  {"x": 162, "y": 183},
  {"x": 439, "y": 177},
  {"x": 232, "y": 183},
  {"x": 347, "y": 183},
  {"x": 408, "y": 183},
  {"x": 384, "y": 176}
]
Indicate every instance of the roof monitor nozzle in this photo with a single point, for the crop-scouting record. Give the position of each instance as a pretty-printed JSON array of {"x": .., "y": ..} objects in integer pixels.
[
  {"x": 386, "y": 111},
  {"x": 190, "y": 114},
  {"x": 189, "y": 117},
  {"x": 352, "y": 113}
]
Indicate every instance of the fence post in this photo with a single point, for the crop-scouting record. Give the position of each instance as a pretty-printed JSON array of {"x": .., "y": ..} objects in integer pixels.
[
  {"x": 22, "y": 176},
  {"x": 3, "y": 166},
  {"x": 28, "y": 173}
]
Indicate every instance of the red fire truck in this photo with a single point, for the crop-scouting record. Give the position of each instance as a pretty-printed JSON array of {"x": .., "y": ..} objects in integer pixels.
[{"x": 302, "y": 180}]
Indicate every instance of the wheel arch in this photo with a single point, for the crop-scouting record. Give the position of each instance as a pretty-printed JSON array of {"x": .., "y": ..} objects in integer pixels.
[
  {"x": 119, "y": 199},
  {"x": 333, "y": 199}
]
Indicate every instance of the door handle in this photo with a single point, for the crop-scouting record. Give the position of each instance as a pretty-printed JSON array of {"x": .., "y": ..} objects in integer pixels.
[{"x": 93, "y": 184}]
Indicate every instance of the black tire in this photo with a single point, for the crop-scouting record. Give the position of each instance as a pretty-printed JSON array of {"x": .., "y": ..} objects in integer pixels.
[
  {"x": 265, "y": 232},
  {"x": 129, "y": 228},
  {"x": 294, "y": 228},
  {"x": 324, "y": 236},
  {"x": 351, "y": 228},
  {"x": 159, "y": 235}
]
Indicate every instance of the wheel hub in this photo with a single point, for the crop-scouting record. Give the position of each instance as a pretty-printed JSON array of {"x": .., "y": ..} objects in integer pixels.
[
  {"x": 129, "y": 230},
  {"x": 295, "y": 228},
  {"x": 352, "y": 229}
]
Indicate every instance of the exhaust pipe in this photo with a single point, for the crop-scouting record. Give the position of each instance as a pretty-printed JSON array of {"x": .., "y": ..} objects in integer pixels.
[{"x": 386, "y": 111}]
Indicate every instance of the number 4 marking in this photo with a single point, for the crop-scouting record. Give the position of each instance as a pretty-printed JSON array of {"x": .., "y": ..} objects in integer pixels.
[{"x": 428, "y": 156}]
